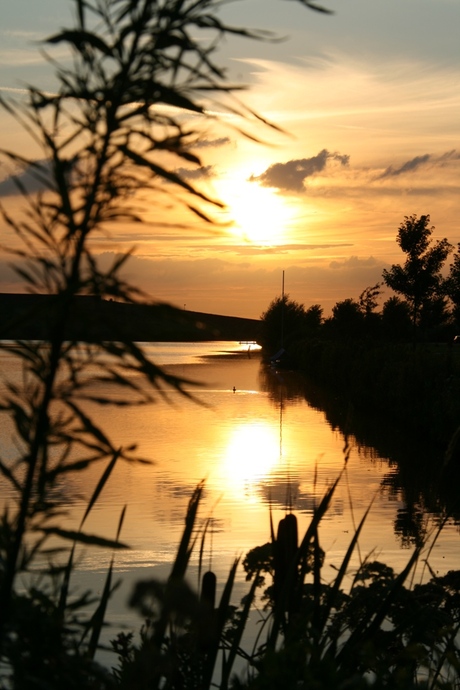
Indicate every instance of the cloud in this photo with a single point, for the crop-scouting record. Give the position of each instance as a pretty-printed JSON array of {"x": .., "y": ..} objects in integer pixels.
[
  {"x": 204, "y": 143},
  {"x": 257, "y": 250},
  {"x": 408, "y": 166},
  {"x": 291, "y": 176},
  {"x": 8, "y": 186},
  {"x": 196, "y": 174},
  {"x": 36, "y": 177},
  {"x": 418, "y": 162},
  {"x": 353, "y": 263}
]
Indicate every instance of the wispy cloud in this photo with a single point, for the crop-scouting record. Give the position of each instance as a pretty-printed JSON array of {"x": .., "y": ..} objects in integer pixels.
[
  {"x": 420, "y": 162},
  {"x": 354, "y": 262},
  {"x": 212, "y": 143},
  {"x": 203, "y": 172},
  {"x": 408, "y": 166}
]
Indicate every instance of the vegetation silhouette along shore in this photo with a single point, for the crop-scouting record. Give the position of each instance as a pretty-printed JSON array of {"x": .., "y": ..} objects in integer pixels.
[
  {"x": 112, "y": 129},
  {"x": 401, "y": 360}
]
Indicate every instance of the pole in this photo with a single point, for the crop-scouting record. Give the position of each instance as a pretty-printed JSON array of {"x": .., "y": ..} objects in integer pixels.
[{"x": 282, "y": 312}]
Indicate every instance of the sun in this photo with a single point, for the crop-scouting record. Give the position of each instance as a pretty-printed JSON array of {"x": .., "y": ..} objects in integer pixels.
[{"x": 259, "y": 215}]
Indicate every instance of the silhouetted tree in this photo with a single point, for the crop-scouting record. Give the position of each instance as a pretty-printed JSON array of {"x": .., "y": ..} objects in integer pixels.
[
  {"x": 347, "y": 319},
  {"x": 396, "y": 319},
  {"x": 434, "y": 318},
  {"x": 283, "y": 322},
  {"x": 313, "y": 318},
  {"x": 420, "y": 278},
  {"x": 368, "y": 302},
  {"x": 368, "y": 299},
  {"x": 452, "y": 286}
]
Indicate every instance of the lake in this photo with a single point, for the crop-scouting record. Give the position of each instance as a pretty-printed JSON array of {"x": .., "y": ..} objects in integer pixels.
[{"x": 252, "y": 436}]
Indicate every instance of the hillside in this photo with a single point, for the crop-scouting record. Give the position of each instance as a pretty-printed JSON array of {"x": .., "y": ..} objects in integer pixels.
[{"x": 32, "y": 317}]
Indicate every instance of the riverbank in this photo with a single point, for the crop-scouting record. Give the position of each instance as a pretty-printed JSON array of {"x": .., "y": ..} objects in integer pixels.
[{"x": 32, "y": 317}]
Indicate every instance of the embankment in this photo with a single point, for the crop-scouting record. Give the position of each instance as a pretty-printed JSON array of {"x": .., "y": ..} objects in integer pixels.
[{"x": 33, "y": 317}]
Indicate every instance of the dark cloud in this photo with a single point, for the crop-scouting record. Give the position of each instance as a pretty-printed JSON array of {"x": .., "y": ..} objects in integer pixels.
[
  {"x": 420, "y": 162},
  {"x": 195, "y": 174},
  {"x": 449, "y": 156},
  {"x": 214, "y": 143},
  {"x": 291, "y": 176},
  {"x": 408, "y": 166},
  {"x": 8, "y": 186},
  {"x": 35, "y": 178}
]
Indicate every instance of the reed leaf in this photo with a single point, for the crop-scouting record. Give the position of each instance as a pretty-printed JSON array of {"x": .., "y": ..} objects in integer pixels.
[
  {"x": 238, "y": 634},
  {"x": 98, "y": 617},
  {"x": 82, "y": 538},
  {"x": 334, "y": 591},
  {"x": 221, "y": 619}
]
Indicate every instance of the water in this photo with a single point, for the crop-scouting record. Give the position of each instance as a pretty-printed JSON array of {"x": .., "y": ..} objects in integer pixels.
[{"x": 254, "y": 439}]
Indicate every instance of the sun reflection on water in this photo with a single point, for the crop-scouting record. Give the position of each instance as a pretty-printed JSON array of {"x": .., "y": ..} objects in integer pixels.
[{"x": 252, "y": 453}]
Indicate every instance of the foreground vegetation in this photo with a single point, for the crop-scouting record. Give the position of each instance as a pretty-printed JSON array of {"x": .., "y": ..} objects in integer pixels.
[{"x": 103, "y": 139}]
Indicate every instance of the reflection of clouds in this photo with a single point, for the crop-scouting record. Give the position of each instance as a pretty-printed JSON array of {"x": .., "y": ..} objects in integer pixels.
[{"x": 277, "y": 494}]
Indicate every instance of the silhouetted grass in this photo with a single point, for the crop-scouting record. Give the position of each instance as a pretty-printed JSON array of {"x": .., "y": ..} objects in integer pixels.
[{"x": 378, "y": 631}]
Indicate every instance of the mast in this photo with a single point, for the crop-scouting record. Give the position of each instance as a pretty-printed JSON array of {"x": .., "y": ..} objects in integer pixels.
[{"x": 282, "y": 311}]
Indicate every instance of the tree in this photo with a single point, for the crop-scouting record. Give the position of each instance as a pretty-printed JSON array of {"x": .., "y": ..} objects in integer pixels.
[
  {"x": 368, "y": 302},
  {"x": 347, "y": 319},
  {"x": 434, "y": 318},
  {"x": 453, "y": 286},
  {"x": 313, "y": 318},
  {"x": 368, "y": 299},
  {"x": 420, "y": 278},
  {"x": 396, "y": 319},
  {"x": 283, "y": 321}
]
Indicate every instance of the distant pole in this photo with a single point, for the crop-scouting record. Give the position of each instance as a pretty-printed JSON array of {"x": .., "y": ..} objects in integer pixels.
[
  {"x": 185, "y": 306},
  {"x": 282, "y": 312}
]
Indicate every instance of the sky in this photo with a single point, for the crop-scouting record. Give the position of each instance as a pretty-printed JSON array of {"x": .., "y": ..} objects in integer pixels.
[{"x": 368, "y": 103}]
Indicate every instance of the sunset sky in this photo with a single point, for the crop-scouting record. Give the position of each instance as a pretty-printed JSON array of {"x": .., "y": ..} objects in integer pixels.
[{"x": 369, "y": 100}]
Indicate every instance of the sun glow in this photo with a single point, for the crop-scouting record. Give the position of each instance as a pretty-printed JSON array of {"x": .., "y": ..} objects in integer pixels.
[{"x": 259, "y": 214}]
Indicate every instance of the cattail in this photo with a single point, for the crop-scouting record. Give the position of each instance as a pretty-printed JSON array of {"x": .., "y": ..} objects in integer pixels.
[
  {"x": 285, "y": 549},
  {"x": 208, "y": 589}
]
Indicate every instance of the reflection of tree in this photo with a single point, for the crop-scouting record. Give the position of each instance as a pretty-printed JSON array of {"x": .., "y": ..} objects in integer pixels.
[
  {"x": 416, "y": 475},
  {"x": 410, "y": 526},
  {"x": 286, "y": 386},
  {"x": 276, "y": 493}
]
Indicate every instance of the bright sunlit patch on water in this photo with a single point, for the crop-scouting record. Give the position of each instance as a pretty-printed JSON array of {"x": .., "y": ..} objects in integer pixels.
[{"x": 252, "y": 453}]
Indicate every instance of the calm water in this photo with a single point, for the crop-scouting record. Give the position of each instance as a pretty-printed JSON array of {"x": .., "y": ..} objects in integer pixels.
[{"x": 255, "y": 445}]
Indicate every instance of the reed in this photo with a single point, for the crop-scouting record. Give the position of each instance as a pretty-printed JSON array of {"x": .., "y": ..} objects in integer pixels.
[
  {"x": 367, "y": 628},
  {"x": 100, "y": 138}
]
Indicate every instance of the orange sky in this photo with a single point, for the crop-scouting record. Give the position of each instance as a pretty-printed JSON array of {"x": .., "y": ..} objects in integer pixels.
[{"x": 369, "y": 99}]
